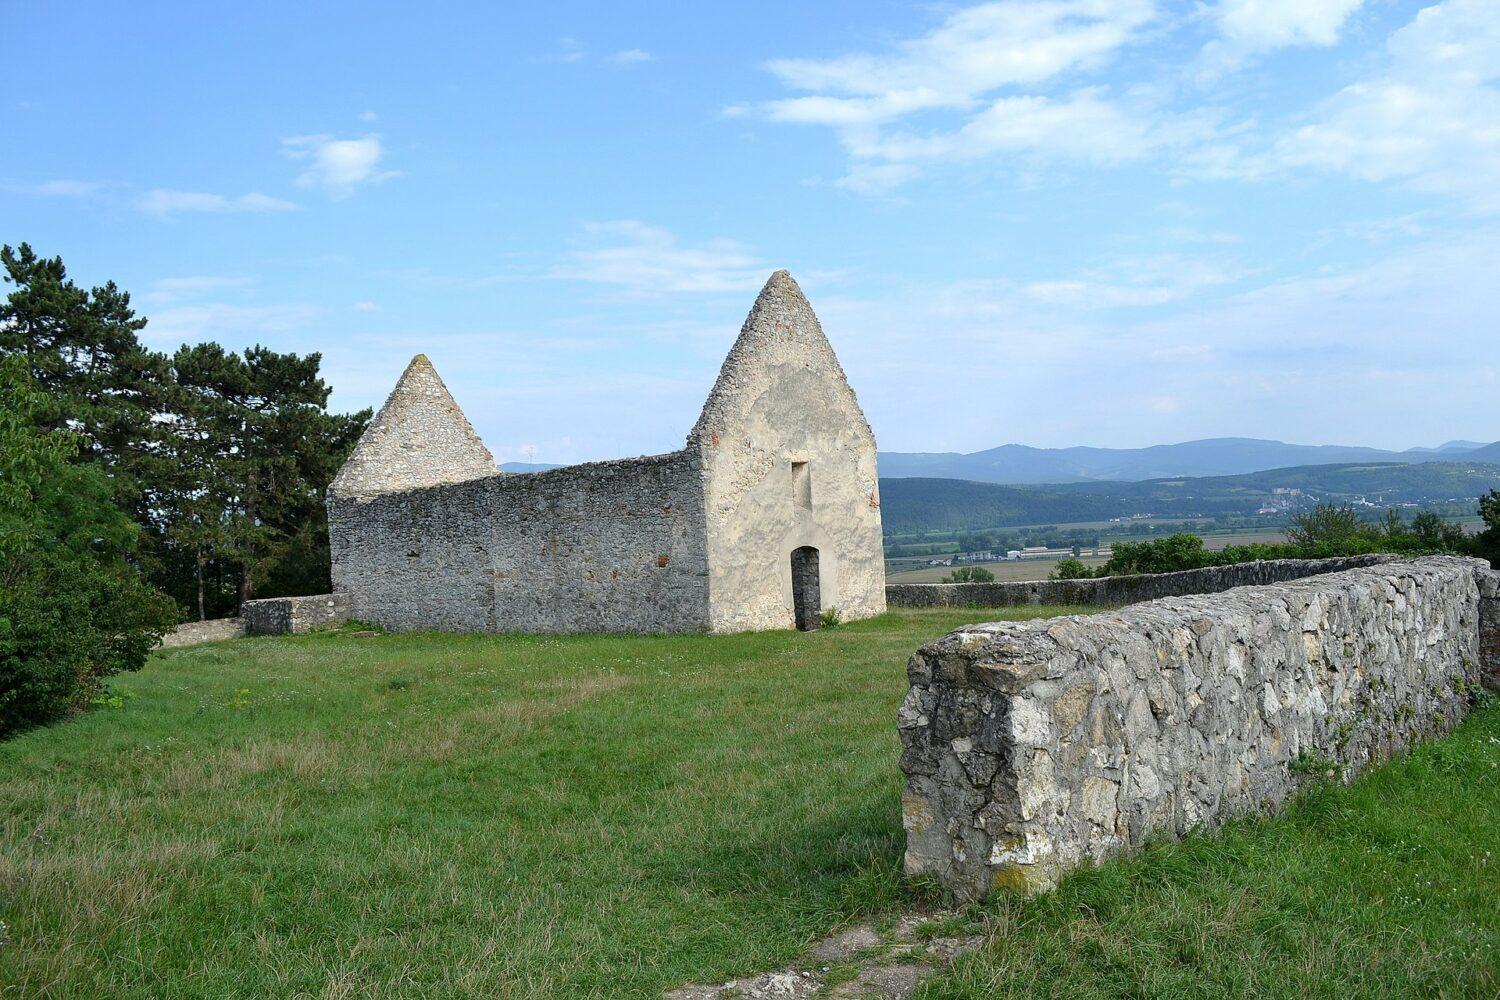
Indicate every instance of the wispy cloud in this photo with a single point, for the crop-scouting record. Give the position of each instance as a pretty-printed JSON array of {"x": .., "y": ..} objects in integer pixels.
[
  {"x": 630, "y": 57},
  {"x": 165, "y": 201},
  {"x": 69, "y": 188},
  {"x": 973, "y": 53},
  {"x": 168, "y": 290},
  {"x": 646, "y": 260},
  {"x": 1006, "y": 82},
  {"x": 1430, "y": 118},
  {"x": 879, "y": 103},
  {"x": 226, "y": 323},
  {"x": 338, "y": 166},
  {"x": 1249, "y": 27}
]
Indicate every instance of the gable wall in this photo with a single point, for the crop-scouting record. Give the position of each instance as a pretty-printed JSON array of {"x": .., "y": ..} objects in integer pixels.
[{"x": 790, "y": 404}]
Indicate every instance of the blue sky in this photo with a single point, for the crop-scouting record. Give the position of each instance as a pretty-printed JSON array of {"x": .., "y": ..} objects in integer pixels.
[{"x": 1104, "y": 222}]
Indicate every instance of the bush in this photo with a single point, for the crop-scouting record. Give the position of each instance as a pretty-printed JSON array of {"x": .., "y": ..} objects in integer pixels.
[
  {"x": 1322, "y": 533},
  {"x": 73, "y": 609},
  {"x": 1159, "y": 555},
  {"x": 970, "y": 574},
  {"x": 1486, "y": 544},
  {"x": 1072, "y": 568}
]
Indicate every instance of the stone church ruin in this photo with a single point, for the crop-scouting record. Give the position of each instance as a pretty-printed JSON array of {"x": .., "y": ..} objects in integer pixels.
[{"x": 769, "y": 516}]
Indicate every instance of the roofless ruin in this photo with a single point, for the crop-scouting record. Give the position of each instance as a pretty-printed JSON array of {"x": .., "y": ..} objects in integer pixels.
[{"x": 769, "y": 515}]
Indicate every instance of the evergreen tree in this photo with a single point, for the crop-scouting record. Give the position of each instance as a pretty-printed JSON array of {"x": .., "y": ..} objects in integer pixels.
[
  {"x": 73, "y": 607},
  {"x": 81, "y": 348},
  {"x": 258, "y": 425}
]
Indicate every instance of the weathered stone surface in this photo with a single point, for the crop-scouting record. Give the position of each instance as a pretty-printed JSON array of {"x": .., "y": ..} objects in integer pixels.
[
  {"x": 1489, "y": 629},
  {"x": 1031, "y": 747},
  {"x": 419, "y": 438},
  {"x": 1117, "y": 591},
  {"x": 193, "y": 633},
  {"x": 600, "y": 547},
  {"x": 883, "y": 965},
  {"x": 696, "y": 540},
  {"x": 782, "y": 398},
  {"x": 285, "y": 615}
]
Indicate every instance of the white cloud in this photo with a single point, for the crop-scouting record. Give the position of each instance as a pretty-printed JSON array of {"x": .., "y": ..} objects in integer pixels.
[
  {"x": 1267, "y": 24},
  {"x": 165, "y": 201},
  {"x": 975, "y": 51},
  {"x": 167, "y": 290},
  {"x": 646, "y": 260},
  {"x": 1134, "y": 283},
  {"x": 1430, "y": 119},
  {"x": 69, "y": 188},
  {"x": 1251, "y": 27},
  {"x": 1082, "y": 126},
  {"x": 338, "y": 166},
  {"x": 226, "y": 323},
  {"x": 876, "y": 102},
  {"x": 628, "y": 57}
]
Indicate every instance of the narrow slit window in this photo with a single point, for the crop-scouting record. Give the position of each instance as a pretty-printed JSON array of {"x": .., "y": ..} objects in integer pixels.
[{"x": 802, "y": 485}]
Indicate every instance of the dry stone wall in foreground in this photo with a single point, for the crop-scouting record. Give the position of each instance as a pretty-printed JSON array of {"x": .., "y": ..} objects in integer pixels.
[{"x": 1032, "y": 747}]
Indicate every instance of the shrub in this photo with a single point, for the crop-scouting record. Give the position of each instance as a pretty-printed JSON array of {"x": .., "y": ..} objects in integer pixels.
[
  {"x": 1072, "y": 568},
  {"x": 1159, "y": 555},
  {"x": 73, "y": 609},
  {"x": 1486, "y": 544},
  {"x": 970, "y": 574},
  {"x": 830, "y": 618}
]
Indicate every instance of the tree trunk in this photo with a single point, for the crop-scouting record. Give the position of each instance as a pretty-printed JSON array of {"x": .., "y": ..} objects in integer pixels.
[
  {"x": 247, "y": 585},
  {"x": 199, "y": 574}
]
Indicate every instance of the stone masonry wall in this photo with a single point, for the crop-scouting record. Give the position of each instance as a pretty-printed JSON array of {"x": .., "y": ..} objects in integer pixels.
[
  {"x": 1116, "y": 591},
  {"x": 1489, "y": 629},
  {"x": 286, "y": 615},
  {"x": 1032, "y": 747},
  {"x": 193, "y": 633},
  {"x": 601, "y": 547}
]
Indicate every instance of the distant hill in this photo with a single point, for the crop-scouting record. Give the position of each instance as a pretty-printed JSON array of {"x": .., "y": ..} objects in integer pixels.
[
  {"x": 1015, "y": 463},
  {"x": 1489, "y": 453},
  {"x": 919, "y": 504}
]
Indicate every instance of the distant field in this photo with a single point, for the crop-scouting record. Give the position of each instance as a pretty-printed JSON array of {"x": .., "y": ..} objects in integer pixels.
[
  {"x": 1009, "y": 570},
  {"x": 1223, "y": 541},
  {"x": 911, "y": 570}
]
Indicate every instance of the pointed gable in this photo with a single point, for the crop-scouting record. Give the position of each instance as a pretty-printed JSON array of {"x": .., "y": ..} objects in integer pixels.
[
  {"x": 419, "y": 438},
  {"x": 781, "y": 337}
]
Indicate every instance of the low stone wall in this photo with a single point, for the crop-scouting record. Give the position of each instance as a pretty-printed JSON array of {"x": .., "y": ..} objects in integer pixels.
[
  {"x": 1116, "y": 591},
  {"x": 283, "y": 615},
  {"x": 1032, "y": 747},
  {"x": 1489, "y": 629},
  {"x": 193, "y": 633}
]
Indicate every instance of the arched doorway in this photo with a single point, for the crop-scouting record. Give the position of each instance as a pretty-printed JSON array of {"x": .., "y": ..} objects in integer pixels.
[{"x": 807, "y": 601}]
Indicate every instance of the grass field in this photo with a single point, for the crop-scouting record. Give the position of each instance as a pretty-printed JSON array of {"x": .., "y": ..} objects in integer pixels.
[
  {"x": 911, "y": 569},
  {"x": 423, "y": 815},
  {"x": 1005, "y": 570}
]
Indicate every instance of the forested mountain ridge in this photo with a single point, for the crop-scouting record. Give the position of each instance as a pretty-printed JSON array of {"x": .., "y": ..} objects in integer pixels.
[
  {"x": 927, "y": 504},
  {"x": 1014, "y": 463}
]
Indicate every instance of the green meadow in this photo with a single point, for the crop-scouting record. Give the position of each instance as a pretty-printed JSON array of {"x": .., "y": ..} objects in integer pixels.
[{"x": 336, "y": 815}]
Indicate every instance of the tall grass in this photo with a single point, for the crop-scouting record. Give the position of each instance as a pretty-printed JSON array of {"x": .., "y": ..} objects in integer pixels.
[
  {"x": 513, "y": 816},
  {"x": 437, "y": 815}
]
